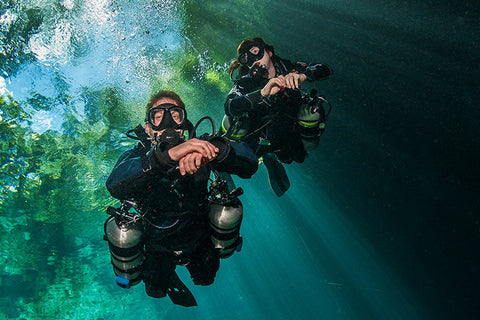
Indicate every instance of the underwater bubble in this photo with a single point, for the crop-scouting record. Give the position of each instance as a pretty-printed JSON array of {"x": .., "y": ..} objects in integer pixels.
[
  {"x": 7, "y": 18},
  {"x": 45, "y": 120},
  {"x": 39, "y": 48},
  {"x": 68, "y": 4},
  {"x": 33, "y": 176},
  {"x": 3, "y": 87}
]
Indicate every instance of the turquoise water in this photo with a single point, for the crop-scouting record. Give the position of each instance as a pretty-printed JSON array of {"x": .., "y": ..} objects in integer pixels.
[{"x": 380, "y": 222}]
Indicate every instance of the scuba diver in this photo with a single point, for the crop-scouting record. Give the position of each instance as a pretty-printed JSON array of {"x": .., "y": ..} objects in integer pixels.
[
  {"x": 169, "y": 214},
  {"x": 266, "y": 108}
]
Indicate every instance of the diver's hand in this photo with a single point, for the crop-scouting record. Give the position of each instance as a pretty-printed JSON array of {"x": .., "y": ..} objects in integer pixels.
[
  {"x": 293, "y": 80},
  {"x": 192, "y": 162},
  {"x": 205, "y": 148},
  {"x": 273, "y": 86}
]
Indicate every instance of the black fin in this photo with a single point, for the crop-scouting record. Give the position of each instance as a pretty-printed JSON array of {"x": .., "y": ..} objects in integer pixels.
[
  {"x": 276, "y": 174},
  {"x": 179, "y": 293}
]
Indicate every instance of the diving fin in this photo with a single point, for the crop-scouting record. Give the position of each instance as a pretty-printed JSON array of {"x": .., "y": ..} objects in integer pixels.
[
  {"x": 276, "y": 174},
  {"x": 179, "y": 293}
]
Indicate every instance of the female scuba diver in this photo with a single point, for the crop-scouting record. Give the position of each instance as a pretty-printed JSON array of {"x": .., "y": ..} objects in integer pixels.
[{"x": 266, "y": 109}]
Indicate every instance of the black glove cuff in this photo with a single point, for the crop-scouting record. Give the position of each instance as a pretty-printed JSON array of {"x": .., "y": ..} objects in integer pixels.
[{"x": 222, "y": 145}]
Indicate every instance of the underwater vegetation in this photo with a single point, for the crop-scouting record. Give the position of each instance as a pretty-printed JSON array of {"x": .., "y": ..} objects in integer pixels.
[
  {"x": 40, "y": 223},
  {"x": 52, "y": 172}
]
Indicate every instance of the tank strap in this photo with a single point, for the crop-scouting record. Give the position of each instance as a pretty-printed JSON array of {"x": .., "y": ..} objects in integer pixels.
[{"x": 258, "y": 130}]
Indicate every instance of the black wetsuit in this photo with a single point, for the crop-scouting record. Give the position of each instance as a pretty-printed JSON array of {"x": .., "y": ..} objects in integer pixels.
[
  {"x": 177, "y": 210},
  {"x": 275, "y": 116}
]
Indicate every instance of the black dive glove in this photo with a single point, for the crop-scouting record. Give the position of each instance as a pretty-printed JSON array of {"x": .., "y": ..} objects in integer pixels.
[{"x": 318, "y": 72}]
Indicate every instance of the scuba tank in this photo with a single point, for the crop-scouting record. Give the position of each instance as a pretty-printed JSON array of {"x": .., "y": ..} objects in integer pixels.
[
  {"x": 311, "y": 119},
  {"x": 234, "y": 130},
  {"x": 225, "y": 218},
  {"x": 124, "y": 233},
  {"x": 226, "y": 211}
]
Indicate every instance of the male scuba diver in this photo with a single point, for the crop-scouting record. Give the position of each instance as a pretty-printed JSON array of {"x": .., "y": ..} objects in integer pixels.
[
  {"x": 167, "y": 215},
  {"x": 266, "y": 109}
]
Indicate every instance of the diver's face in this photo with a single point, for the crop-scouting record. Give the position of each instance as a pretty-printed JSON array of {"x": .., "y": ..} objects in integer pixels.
[
  {"x": 256, "y": 55},
  {"x": 158, "y": 116},
  {"x": 265, "y": 58}
]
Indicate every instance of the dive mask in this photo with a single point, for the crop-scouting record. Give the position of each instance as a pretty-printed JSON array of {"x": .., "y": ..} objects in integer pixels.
[
  {"x": 247, "y": 58},
  {"x": 166, "y": 115}
]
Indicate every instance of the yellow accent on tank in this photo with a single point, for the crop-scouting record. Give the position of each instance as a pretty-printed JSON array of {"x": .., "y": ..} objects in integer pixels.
[
  {"x": 308, "y": 124},
  {"x": 237, "y": 134}
]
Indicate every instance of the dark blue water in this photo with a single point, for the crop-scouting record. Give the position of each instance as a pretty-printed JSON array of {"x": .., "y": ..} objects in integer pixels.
[{"x": 381, "y": 221}]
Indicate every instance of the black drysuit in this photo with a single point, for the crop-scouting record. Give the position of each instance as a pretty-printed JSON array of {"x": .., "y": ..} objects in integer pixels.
[
  {"x": 176, "y": 207},
  {"x": 271, "y": 121}
]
